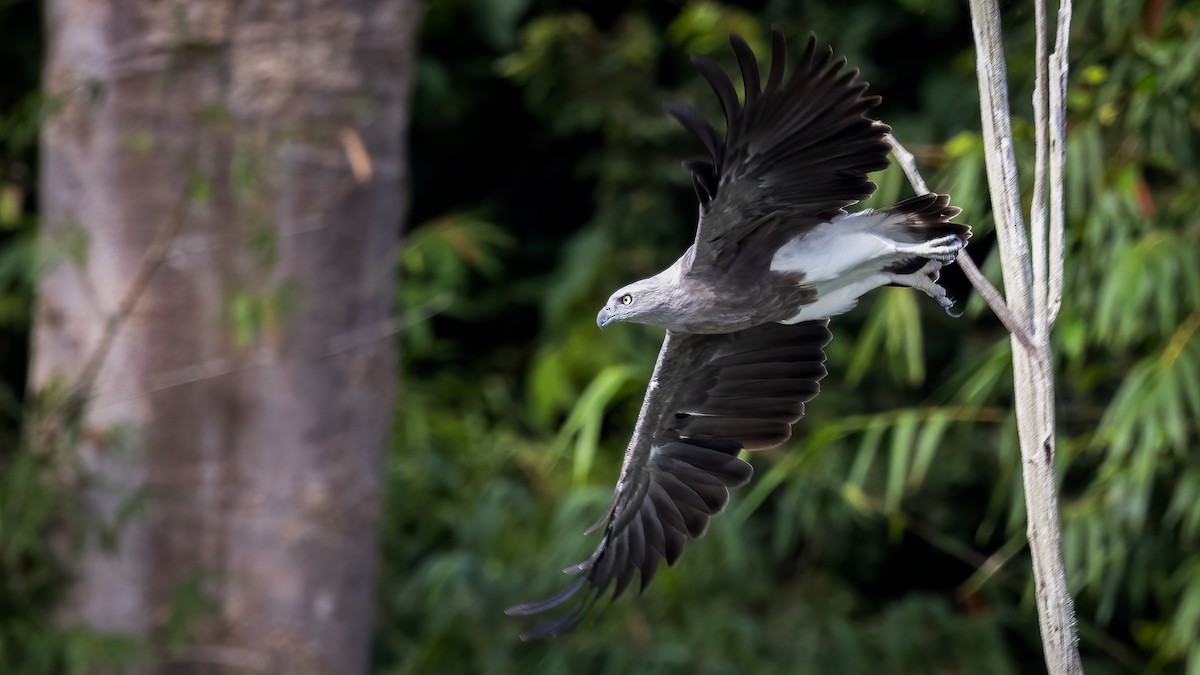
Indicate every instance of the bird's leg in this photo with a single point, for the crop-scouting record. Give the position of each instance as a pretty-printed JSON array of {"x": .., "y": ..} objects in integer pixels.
[
  {"x": 923, "y": 280},
  {"x": 943, "y": 249}
]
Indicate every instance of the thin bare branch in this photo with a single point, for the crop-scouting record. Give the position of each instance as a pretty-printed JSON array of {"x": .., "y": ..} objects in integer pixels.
[
  {"x": 155, "y": 254},
  {"x": 1037, "y": 208},
  {"x": 261, "y": 358},
  {"x": 65, "y": 412},
  {"x": 1058, "y": 151},
  {"x": 908, "y": 163},
  {"x": 992, "y": 297},
  {"x": 1001, "y": 162}
]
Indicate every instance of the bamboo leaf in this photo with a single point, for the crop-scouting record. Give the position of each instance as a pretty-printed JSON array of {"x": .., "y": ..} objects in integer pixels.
[
  {"x": 867, "y": 450},
  {"x": 932, "y": 432},
  {"x": 583, "y": 424},
  {"x": 900, "y": 460}
]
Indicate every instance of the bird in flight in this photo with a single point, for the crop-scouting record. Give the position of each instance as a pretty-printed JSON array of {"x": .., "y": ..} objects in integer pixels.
[{"x": 747, "y": 306}]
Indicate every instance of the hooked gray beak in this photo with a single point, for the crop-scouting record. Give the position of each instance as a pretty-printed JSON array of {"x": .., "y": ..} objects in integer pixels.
[{"x": 603, "y": 318}]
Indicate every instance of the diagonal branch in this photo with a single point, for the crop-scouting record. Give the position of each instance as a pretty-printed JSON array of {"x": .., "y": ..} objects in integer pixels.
[
  {"x": 990, "y": 294},
  {"x": 156, "y": 253},
  {"x": 67, "y": 410},
  {"x": 994, "y": 300},
  {"x": 908, "y": 163}
]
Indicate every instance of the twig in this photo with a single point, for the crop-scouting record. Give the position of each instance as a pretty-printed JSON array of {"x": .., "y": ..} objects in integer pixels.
[
  {"x": 1058, "y": 152},
  {"x": 994, "y": 300},
  {"x": 71, "y": 405},
  {"x": 154, "y": 256},
  {"x": 338, "y": 344},
  {"x": 1001, "y": 162},
  {"x": 1037, "y": 208},
  {"x": 220, "y": 655},
  {"x": 65, "y": 413},
  {"x": 908, "y": 163}
]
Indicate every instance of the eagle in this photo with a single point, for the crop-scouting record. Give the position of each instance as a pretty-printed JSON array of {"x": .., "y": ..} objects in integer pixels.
[{"x": 746, "y": 307}]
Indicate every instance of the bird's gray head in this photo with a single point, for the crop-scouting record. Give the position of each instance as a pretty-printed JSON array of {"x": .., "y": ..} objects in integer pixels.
[{"x": 645, "y": 301}]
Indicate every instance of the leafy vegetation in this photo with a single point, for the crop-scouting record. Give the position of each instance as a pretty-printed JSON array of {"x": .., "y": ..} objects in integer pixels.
[{"x": 888, "y": 536}]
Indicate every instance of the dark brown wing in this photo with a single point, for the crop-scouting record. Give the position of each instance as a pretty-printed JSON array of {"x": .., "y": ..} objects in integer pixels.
[
  {"x": 710, "y": 396},
  {"x": 794, "y": 154}
]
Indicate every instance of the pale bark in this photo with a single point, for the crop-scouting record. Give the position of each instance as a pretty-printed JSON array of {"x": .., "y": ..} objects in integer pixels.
[
  {"x": 1032, "y": 278},
  {"x": 237, "y": 172}
]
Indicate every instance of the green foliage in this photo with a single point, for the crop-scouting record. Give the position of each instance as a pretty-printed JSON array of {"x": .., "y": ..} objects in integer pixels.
[
  {"x": 40, "y": 518},
  {"x": 889, "y": 534}
]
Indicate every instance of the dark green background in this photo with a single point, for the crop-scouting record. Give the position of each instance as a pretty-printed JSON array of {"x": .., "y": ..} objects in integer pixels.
[{"x": 888, "y": 535}]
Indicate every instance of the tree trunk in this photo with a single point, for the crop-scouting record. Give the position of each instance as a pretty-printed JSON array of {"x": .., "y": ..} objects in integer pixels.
[{"x": 223, "y": 186}]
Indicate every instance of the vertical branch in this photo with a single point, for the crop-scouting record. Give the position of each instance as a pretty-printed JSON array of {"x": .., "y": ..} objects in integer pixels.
[
  {"x": 1026, "y": 283},
  {"x": 1003, "y": 184},
  {"x": 1037, "y": 208},
  {"x": 1058, "y": 152}
]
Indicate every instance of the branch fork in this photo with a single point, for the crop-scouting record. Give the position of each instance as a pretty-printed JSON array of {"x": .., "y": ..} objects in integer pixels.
[{"x": 1032, "y": 264}]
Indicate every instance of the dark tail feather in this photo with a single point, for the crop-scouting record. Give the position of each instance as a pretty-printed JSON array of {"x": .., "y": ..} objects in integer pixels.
[
  {"x": 925, "y": 217},
  {"x": 928, "y": 217}
]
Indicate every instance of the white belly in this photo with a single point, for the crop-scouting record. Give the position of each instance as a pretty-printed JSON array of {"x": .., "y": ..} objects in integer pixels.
[
  {"x": 837, "y": 298},
  {"x": 842, "y": 260}
]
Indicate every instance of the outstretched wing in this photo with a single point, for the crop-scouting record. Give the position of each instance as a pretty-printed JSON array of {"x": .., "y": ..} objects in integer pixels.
[
  {"x": 794, "y": 153},
  {"x": 710, "y": 396}
]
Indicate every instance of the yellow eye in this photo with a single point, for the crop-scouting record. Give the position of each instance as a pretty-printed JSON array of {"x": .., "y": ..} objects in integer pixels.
[{"x": 626, "y": 299}]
